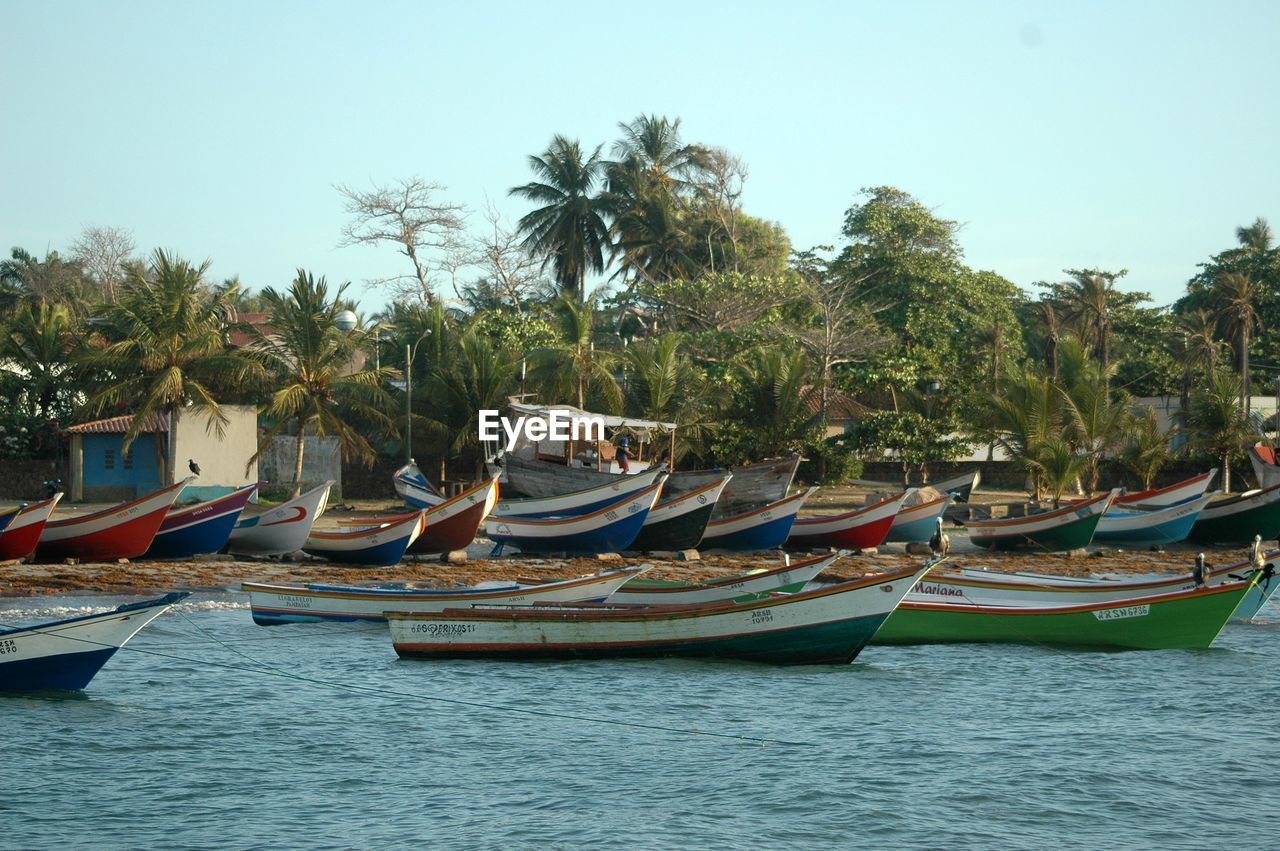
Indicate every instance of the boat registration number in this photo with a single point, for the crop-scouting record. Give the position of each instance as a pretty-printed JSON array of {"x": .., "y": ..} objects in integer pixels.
[
  {"x": 761, "y": 616},
  {"x": 8, "y": 645},
  {"x": 1123, "y": 612},
  {"x": 443, "y": 628}
]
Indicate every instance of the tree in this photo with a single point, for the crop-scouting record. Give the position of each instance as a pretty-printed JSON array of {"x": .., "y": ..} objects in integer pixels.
[
  {"x": 508, "y": 269},
  {"x": 1087, "y": 303},
  {"x": 1215, "y": 423},
  {"x": 1026, "y": 414},
  {"x": 770, "y": 405},
  {"x": 1095, "y": 421},
  {"x": 1238, "y": 294},
  {"x": 478, "y": 377},
  {"x": 36, "y": 348},
  {"x": 662, "y": 384},
  {"x": 104, "y": 252},
  {"x": 1057, "y": 465},
  {"x": 1257, "y": 236},
  {"x": 165, "y": 349},
  {"x": 914, "y": 438},
  {"x": 1145, "y": 449},
  {"x": 318, "y": 381},
  {"x": 408, "y": 214},
  {"x": 572, "y": 364},
  {"x": 568, "y": 230}
]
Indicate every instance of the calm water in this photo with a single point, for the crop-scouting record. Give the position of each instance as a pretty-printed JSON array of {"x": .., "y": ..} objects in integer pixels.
[{"x": 939, "y": 746}]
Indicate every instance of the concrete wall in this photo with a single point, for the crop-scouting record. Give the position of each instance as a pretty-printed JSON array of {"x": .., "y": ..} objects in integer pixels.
[
  {"x": 20, "y": 480},
  {"x": 113, "y": 474},
  {"x": 222, "y": 458},
  {"x": 321, "y": 462}
]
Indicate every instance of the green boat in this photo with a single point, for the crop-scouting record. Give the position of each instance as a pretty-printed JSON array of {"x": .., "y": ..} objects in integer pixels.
[
  {"x": 1067, "y": 528},
  {"x": 1182, "y": 619},
  {"x": 1237, "y": 519}
]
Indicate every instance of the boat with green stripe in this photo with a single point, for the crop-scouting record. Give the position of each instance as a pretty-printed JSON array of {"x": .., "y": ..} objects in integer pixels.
[
  {"x": 1068, "y": 528},
  {"x": 1237, "y": 519}
]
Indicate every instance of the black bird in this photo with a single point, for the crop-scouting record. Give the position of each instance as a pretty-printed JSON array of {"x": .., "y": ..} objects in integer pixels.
[
  {"x": 52, "y": 486},
  {"x": 193, "y": 466},
  {"x": 940, "y": 543}
]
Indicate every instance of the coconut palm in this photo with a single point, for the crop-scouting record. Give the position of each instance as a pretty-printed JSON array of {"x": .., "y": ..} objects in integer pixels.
[
  {"x": 1087, "y": 303},
  {"x": 477, "y": 377},
  {"x": 1257, "y": 236},
  {"x": 1238, "y": 294},
  {"x": 572, "y": 366},
  {"x": 770, "y": 384},
  {"x": 1026, "y": 414},
  {"x": 1196, "y": 347},
  {"x": 1095, "y": 421},
  {"x": 1057, "y": 465},
  {"x": 1051, "y": 327},
  {"x": 37, "y": 346},
  {"x": 1215, "y": 424},
  {"x": 317, "y": 372},
  {"x": 165, "y": 349},
  {"x": 569, "y": 228},
  {"x": 1145, "y": 450},
  {"x": 663, "y": 384},
  {"x": 652, "y": 149}
]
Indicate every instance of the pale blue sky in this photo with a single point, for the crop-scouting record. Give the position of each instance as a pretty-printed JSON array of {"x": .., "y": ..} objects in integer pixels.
[{"x": 1123, "y": 134}]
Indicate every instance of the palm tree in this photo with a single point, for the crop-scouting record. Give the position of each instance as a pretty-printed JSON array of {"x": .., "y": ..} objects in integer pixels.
[
  {"x": 1027, "y": 413},
  {"x": 568, "y": 229},
  {"x": 1145, "y": 450},
  {"x": 573, "y": 364},
  {"x": 1088, "y": 299},
  {"x": 652, "y": 148},
  {"x": 1215, "y": 424},
  {"x": 663, "y": 384},
  {"x": 1057, "y": 465},
  {"x": 771, "y": 402},
  {"x": 478, "y": 377},
  {"x": 38, "y": 345},
  {"x": 165, "y": 349},
  {"x": 1095, "y": 422},
  {"x": 315, "y": 367},
  {"x": 1052, "y": 330},
  {"x": 1238, "y": 294},
  {"x": 1196, "y": 347},
  {"x": 1257, "y": 236}
]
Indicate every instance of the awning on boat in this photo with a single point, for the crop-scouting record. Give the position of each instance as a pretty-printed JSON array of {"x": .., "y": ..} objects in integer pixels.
[{"x": 610, "y": 421}]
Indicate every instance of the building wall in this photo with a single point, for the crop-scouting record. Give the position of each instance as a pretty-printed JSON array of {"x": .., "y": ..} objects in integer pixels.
[
  {"x": 111, "y": 474},
  {"x": 222, "y": 458},
  {"x": 321, "y": 462}
]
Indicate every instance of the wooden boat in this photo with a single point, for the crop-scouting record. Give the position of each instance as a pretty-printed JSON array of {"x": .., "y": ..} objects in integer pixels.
[
  {"x": 280, "y": 604},
  {"x": 281, "y": 530},
  {"x": 66, "y": 654},
  {"x": 1158, "y": 526},
  {"x": 679, "y": 522},
  {"x": 1266, "y": 465},
  {"x": 608, "y": 529},
  {"x": 785, "y": 579},
  {"x": 764, "y": 528},
  {"x": 453, "y": 524},
  {"x": 202, "y": 528},
  {"x": 1068, "y": 528},
  {"x": 1237, "y": 519},
  {"x": 1174, "y": 494},
  {"x": 122, "y": 531},
  {"x": 1180, "y": 619},
  {"x": 23, "y": 528},
  {"x": 827, "y": 625},
  {"x": 860, "y": 529},
  {"x": 414, "y": 487},
  {"x": 916, "y": 523},
  {"x": 960, "y": 486},
  {"x": 577, "y": 503},
  {"x": 381, "y": 543}
]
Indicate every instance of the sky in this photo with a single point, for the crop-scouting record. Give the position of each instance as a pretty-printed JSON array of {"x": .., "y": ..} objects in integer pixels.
[{"x": 1132, "y": 135}]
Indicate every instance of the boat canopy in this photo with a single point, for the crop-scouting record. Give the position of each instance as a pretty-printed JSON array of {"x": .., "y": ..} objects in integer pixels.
[{"x": 610, "y": 421}]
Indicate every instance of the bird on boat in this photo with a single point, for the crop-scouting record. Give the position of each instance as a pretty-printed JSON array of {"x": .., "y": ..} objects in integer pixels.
[
  {"x": 193, "y": 466},
  {"x": 1257, "y": 559},
  {"x": 940, "y": 543}
]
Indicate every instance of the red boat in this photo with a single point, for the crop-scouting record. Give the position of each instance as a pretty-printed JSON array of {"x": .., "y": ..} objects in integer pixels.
[
  {"x": 453, "y": 524},
  {"x": 860, "y": 529},
  {"x": 19, "y": 536},
  {"x": 123, "y": 531}
]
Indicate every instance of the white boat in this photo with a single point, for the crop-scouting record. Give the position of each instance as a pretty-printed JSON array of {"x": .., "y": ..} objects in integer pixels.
[
  {"x": 580, "y": 502},
  {"x": 280, "y": 604},
  {"x": 281, "y": 530},
  {"x": 608, "y": 529},
  {"x": 1158, "y": 526},
  {"x": 729, "y": 588}
]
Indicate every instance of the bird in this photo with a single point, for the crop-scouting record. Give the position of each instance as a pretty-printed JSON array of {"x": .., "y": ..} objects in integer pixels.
[
  {"x": 1197, "y": 572},
  {"x": 940, "y": 543},
  {"x": 1257, "y": 559},
  {"x": 193, "y": 466}
]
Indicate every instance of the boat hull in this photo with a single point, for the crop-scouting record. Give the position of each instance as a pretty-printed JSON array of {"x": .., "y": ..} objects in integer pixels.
[
  {"x": 280, "y": 530},
  {"x": 381, "y": 546},
  {"x": 1063, "y": 529},
  {"x": 1238, "y": 520},
  {"x": 917, "y": 523},
  {"x": 123, "y": 531},
  {"x": 765, "y": 528},
  {"x": 23, "y": 530},
  {"x": 789, "y": 579},
  {"x": 453, "y": 524},
  {"x": 679, "y": 533},
  {"x": 200, "y": 529},
  {"x": 609, "y": 529},
  {"x": 1174, "y": 494},
  {"x": 856, "y": 530},
  {"x": 577, "y": 503}
]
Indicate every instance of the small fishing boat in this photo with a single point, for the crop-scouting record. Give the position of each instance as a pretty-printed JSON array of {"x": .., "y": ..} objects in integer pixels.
[
  {"x": 785, "y": 579},
  {"x": 608, "y": 529},
  {"x": 381, "y": 544},
  {"x": 860, "y": 529},
  {"x": 67, "y": 654},
  {"x": 122, "y": 531},
  {"x": 577, "y": 503},
  {"x": 23, "y": 527},
  {"x": 763, "y": 528},
  {"x": 453, "y": 524},
  {"x": 1180, "y": 619},
  {"x": 1266, "y": 464},
  {"x": 960, "y": 486},
  {"x": 1157, "y": 526},
  {"x": 202, "y": 528},
  {"x": 1237, "y": 519},
  {"x": 679, "y": 522},
  {"x": 917, "y": 523},
  {"x": 1174, "y": 494},
  {"x": 826, "y": 625},
  {"x": 414, "y": 488},
  {"x": 281, "y": 530},
  {"x": 272, "y": 605},
  {"x": 1068, "y": 528}
]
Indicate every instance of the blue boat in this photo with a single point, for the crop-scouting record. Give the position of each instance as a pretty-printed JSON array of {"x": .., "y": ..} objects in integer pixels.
[
  {"x": 577, "y": 503},
  {"x": 608, "y": 529},
  {"x": 763, "y": 528},
  {"x": 382, "y": 543},
  {"x": 199, "y": 529},
  {"x": 1146, "y": 528},
  {"x": 67, "y": 654}
]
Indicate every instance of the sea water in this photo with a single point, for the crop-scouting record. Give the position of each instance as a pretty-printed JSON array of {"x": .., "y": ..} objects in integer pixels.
[{"x": 210, "y": 732}]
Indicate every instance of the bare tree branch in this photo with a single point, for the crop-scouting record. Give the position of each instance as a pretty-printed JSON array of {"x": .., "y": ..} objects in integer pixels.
[{"x": 104, "y": 252}]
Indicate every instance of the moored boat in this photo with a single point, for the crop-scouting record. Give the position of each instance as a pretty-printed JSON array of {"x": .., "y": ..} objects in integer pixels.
[
  {"x": 860, "y": 529},
  {"x": 67, "y": 654},
  {"x": 1180, "y": 619},
  {"x": 121, "y": 531},
  {"x": 960, "y": 486},
  {"x": 826, "y": 625},
  {"x": 280, "y": 530},
  {"x": 1174, "y": 494},
  {"x": 679, "y": 522},
  {"x": 23, "y": 527},
  {"x": 202, "y": 528},
  {"x": 382, "y": 544},
  {"x": 1068, "y": 528},
  {"x": 577, "y": 503},
  {"x": 414, "y": 487},
  {"x": 763, "y": 528},
  {"x": 608, "y": 529},
  {"x": 1235, "y": 520},
  {"x": 1157, "y": 526},
  {"x": 272, "y": 604},
  {"x": 789, "y": 578},
  {"x": 453, "y": 524},
  {"x": 916, "y": 523}
]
